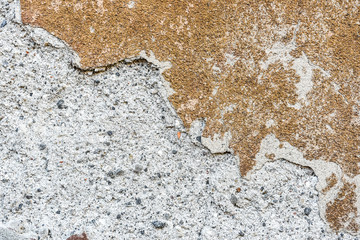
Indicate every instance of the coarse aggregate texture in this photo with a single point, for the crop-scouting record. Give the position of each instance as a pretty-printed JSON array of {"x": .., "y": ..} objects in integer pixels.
[
  {"x": 100, "y": 154},
  {"x": 252, "y": 70}
]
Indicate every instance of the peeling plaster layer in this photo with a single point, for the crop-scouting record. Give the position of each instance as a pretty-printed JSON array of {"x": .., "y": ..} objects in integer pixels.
[
  {"x": 331, "y": 195},
  {"x": 294, "y": 63}
]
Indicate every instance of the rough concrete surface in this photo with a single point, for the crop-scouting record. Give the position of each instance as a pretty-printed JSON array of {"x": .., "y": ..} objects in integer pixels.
[{"x": 106, "y": 154}]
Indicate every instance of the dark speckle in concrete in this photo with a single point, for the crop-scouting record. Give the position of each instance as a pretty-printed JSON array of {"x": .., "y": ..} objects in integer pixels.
[
  {"x": 60, "y": 104},
  {"x": 3, "y": 24},
  {"x": 307, "y": 211},
  {"x": 42, "y": 146},
  {"x": 158, "y": 224}
]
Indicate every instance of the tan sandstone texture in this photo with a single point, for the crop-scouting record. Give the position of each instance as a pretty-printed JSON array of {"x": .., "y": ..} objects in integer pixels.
[{"x": 272, "y": 79}]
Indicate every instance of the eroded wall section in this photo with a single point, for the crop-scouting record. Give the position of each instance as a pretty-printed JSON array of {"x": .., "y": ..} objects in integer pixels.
[{"x": 251, "y": 69}]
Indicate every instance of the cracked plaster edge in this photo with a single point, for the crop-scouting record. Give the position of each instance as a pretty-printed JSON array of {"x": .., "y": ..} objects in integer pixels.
[
  {"x": 165, "y": 89},
  {"x": 215, "y": 144},
  {"x": 271, "y": 145},
  {"x": 38, "y": 35},
  {"x": 42, "y": 37},
  {"x": 322, "y": 169},
  {"x": 163, "y": 66}
]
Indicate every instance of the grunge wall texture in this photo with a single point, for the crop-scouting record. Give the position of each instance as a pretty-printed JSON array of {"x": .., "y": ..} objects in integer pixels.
[{"x": 269, "y": 78}]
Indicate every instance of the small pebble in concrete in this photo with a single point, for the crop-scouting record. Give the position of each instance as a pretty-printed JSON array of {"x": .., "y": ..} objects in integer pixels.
[
  {"x": 198, "y": 138},
  {"x": 42, "y": 146},
  {"x": 138, "y": 169},
  {"x": 307, "y": 211},
  {"x": 110, "y": 133},
  {"x": 118, "y": 216},
  {"x": 3, "y": 24},
  {"x": 158, "y": 224},
  {"x": 138, "y": 201},
  {"x": 119, "y": 172},
  {"x": 241, "y": 234},
  {"x": 5, "y": 64},
  {"x": 111, "y": 174},
  {"x": 20, "y": 206},
  {"x": 28, "y": 197},
  {"x": 233, "y": 199},
  {"x": 60, "y": 104}
]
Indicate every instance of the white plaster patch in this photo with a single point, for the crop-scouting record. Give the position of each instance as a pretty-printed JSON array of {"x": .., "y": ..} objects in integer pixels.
[
  {"x": 329, "y": 128},
  {"x": 336, "y": 87},
  {"x": 131, "y": 4},
  {"x": 305, "y": 71},
  {"x": 215, "y": 90},
  {"x": 189, "y": 105},
  {"x": 278, "y": 53},
  {"x": 269, "y": 123},
  {"x": 229, "y": 108},
  {"x": 218, "y": 144},
  {"x": 55, "y": 4},
  {"x": 100, "y": 5},
  {"x": 231, "y": 59},
  {"x": 216, "y": 69}
]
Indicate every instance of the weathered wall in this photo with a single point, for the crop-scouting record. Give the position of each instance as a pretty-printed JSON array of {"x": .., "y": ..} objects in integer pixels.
[{"x": 271, "y": 79}]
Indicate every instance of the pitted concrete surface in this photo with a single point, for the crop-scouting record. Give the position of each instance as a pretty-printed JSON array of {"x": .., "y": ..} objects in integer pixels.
[{"x": 106, "y": 154}]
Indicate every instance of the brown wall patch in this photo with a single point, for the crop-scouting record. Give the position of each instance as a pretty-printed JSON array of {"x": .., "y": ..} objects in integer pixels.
[{"x": 250, "y": 68}]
